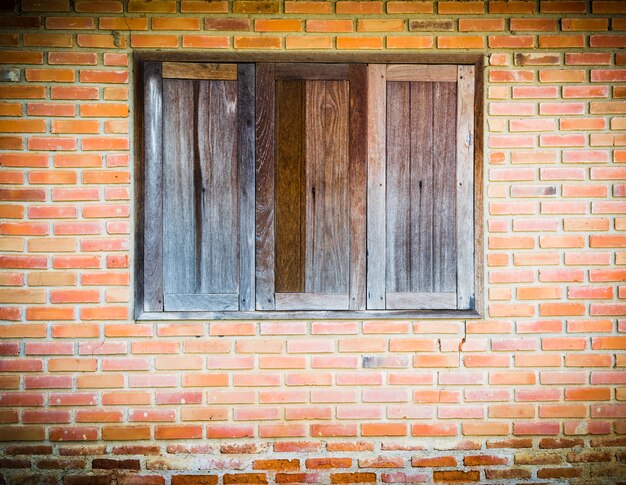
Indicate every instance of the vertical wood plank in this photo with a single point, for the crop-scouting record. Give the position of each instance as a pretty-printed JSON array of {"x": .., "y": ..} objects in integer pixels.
[
  {"x": 422, "y": 188},
  {"x": 465, "y": 187},
  {"x": 179, "y": 231},
  {"x": 265, "y": 187},
  {"x": 398, "y": 196},
  {"x": 215, "y": 186},
  {"x": 153, "y": 189},
  {"x": 246, "y": 168},
  {"x": 444, "y": 186},
  {"x": 479, "y": 77},
  {"x": 376, "y": 160},
  {"x": 327, "y": 199},
  {"x": 358, "y": 184},
  {"x": 290, "y": 186}
]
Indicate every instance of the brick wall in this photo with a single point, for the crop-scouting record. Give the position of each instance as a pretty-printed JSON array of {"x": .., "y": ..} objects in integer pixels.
[{"x": 535, "y": 391}]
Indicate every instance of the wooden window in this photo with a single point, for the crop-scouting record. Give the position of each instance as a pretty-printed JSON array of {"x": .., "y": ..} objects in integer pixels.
[{"x": 308, "y": 189}]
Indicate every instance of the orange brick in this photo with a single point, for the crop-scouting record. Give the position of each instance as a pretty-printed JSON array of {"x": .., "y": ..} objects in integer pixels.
[
  {"x": 410, "y": 7},
  {"x": 319, "y": 25},
  {"x": 169, "y": 23},
  {"x": 358, "y": 43},
  {"x": 461, "y": 42},
  {"x": 584, "y": 25},
  {"x": 153, "y": 40},
  {"x": 21, "y": 57},
  {"x": 410, "y": 42},
  {"x": 561, "y": 41},
  {"x": 481, "y": 25},
  {"x": 206, "y": 41},
  {"x": 380, "y": 25},
  {"x": 461, "y": 8},
  {"x": 48, "y": 40},
  {"x": 277, "y": 25},
  {"x": 363, "y": 7},
  {"x": 300, "y": 6},
  {"x": 308, "y": 42},
  {"x": 247, "y": 42},
  {"x": 202, "y": 6}
]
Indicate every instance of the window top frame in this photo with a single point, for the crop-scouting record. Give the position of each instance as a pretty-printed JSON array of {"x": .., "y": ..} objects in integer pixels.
[{"x": 477, "y": 60}]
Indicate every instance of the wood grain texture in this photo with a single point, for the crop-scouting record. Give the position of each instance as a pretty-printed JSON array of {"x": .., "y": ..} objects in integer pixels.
[
  {"x": 312, "y": 301},
  {"x": 246, "y": 176},
  {"x": 200, "y": 302},
  {"x": 327, "y": 195},
  {"x": 432, "y": 301},
  {"x": 358, "y": 134},
  {"x": 399, "y": 231},
  {"x": 376, "y": 185},
  {"x": 179, "y": 231},
  {"x": 153, "y": 189},
  {"x": 265, "y": 286},
  {"x": 201, "y": 204},
  {"x": 421, "y": 72},
  {"x": 194, "y": 70},
  {"x": 290, "y": 186},
  {"x": 311, "y": 72},
  {"x": 444, "y": 187},
  {"x": 479, "y": 222},
  {"x": 465, "y": 187}
]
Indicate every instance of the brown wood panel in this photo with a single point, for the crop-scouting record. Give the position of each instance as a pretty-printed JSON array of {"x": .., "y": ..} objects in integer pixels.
[
  {"x": 376, "y": 185},
  {"x": 327, "y": 195},
  {"x": 194, "y": 70},
  {"x": 290, "y": 186},
  {"x": 265, "y": 187},
  {"x": 421, "y": 72},
  {"x": 301, "y": 70},
  {"x": 246, "y": 168},
  {"x": 153, "y": 189},
  {"x": 444, "y": 187},
  {"x": 358, "y": 117}
]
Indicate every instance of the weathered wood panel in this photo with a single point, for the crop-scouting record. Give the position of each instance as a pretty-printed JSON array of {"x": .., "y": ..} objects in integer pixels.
[
  {"x": 202, "y": 302},
  {"x": 444, "y": 187},
  {"x": 246, "y": 169},
  {"x": 421, "y": 72},
  {"x": 201, "y": 201},
  {"x": 311, "y": 301},
  {"x": 290, "y": 186},
  {"x": 179, "y": 231},
  {"x": 358, "y": 124},
  {"x": 465, "y": 186},
  {"x": 327, "y": 195},
  {"x": 193, "y": 70},
  {"x": 399, "y": 196},
  {"x": 265, "y": 247},
  {"x": 311, "y": 72},
  {"x": 376, "y": 185},
  {"x": 432, "y": 301},
  {"x": 153, "y": 189}
]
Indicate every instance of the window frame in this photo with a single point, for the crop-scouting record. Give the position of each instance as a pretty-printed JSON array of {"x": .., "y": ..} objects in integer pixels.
[{"x": 146, "y": 313}]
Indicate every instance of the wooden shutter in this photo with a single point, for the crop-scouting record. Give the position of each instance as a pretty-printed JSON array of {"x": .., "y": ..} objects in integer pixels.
[
  {"x": 199, "y": 190},
  {"x": 420, "y": 189},
  {"x": 311, "y": 159}
]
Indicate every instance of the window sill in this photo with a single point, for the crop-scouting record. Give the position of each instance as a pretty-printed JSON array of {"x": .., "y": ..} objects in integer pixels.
[{"x": 312, "y": 315}]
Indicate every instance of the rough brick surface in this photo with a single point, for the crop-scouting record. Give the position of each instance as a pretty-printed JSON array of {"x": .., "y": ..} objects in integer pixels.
[{"x": 535, "y": 390}]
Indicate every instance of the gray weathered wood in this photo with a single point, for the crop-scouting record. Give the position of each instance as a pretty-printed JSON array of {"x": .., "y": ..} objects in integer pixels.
[
  {"x": 422, "y": 214},
  {"x": 312, "y": 301},
  {"x": 465, "y": 187},
  {"x": 265, "y": 285},
  {"x": 201, "y": 249},
  {"x": 421, "y": 72},
  {"x": 246, "y": 170},
  {"x": 294, "y": 70},
  {"x": 479, "y": 122},
  {"x": 179, "y": 231},
  {"x": 444, "y": 187},
  {"x": 358, "y": 117},
  {"x": 399, "y": 231},
  {"x": 432, "y": 301},
  {"x": 376, "y": 185},
  {"x": 153, "y": 189},
  {"x": 327, "y": 198},
  {"x": 202, "y": 302},
  {"x": 206, "y": 71}
]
